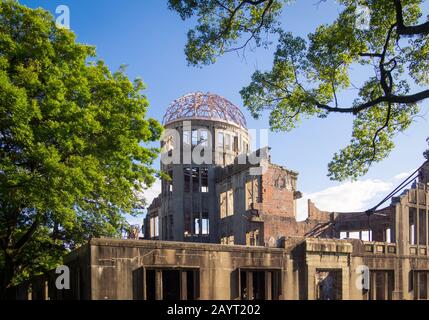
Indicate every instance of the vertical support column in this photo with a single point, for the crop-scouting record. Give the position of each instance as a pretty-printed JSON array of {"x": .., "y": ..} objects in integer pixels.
[
  {"x": 344, "y": 276},
  {"x": 30, "y": 292},
  {"x": 46, "y": 290},
  {"x": 268, "y": 285},
  {"x": 249, "y": 277},
  {"x": 386, "y": 284},
  {"x": 417, "y": 219},
  {"x": 311, "y": 290},
  {"x": 191, "y": 194},
  {"x": 158, "y": 285},
  {"x": 197, "y": 285},
  {"x": 416, "y": 285},
  {"x": 183, "y": 285},
  {"x": 144, "y": 283},
  {"x": 417, "y": 228},
  {"x": 424, "y": 226},
  {"x": 373, "y": 285},
  {"x": 427, "y": 285},
  {"x": 78, "y": 284},
  {"x": 282, "y": 287},
  {"x": 402, "y": 239},
  {"x": 200, "y": 198},
  {"x": 427, "y": 221}
]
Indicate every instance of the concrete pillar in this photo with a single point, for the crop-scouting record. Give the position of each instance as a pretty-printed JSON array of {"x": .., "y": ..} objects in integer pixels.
[
  {"x": 46, "y": 290},
  {"x": 249, "y": 276},
  {"x": 289, "y": 288},
  {"x": 144, "y": 283},
  {"x": 30, "y": 292},
  {"x": 311, "y": 290},
  {"x": 268, "y": 285},
  {"x": 417, "y": 219},
  {"x": 373, "y": 286},
  {"x": 427, "y": 221},
  {"x": 345, "y": 282},
  {"x": 386, "y": 285},
  {"x": 416, "y": 285},
  {"x": 183, "y": 285},
  {"x": 427, "y": 285},
  {"x": 402, "y": 225},
  {"x": 158, "y": 285}
]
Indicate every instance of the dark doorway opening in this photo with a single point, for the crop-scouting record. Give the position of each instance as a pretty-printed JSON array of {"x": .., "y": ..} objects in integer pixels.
[
  {"x": 329, "y": 284},
  {"x": 150, "y": 284},
  {"x": 259, "y": 284},
  {"x": 171, "y": 284},
  {"x": 244, "y": 294},
  {"x": 382, "y": 285}
]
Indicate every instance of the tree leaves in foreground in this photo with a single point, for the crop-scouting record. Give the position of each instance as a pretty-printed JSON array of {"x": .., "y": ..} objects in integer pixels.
[
  {"x": 309, "y": 76},
  {"x": 73, "y": 152}
]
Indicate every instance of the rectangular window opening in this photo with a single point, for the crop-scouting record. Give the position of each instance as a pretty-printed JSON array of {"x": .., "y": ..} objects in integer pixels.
[
  {"x": 382, "y": 285},
  {"x": 227, "y": 142},
  {"x": 205, "y": 180},
  {"x": 259, "y": 284},
  {"x": 194, "y": 137},
  {"x": 329, "y": 284},
  {"x": 195, "y": 179},
  {"x": 187, "y": 179},
  {"x": 187, "y": 138},
  {"x": 220, "y": 142}
]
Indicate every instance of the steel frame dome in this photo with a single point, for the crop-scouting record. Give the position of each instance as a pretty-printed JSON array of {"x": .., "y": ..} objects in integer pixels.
[{"x": 206, "y": 106}]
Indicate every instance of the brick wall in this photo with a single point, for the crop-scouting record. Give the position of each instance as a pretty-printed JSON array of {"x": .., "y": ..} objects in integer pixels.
[
  {"x": 278, "y": 207},
  {"x": 315, "y": 214},
  {"x": 278, "y": 189}
]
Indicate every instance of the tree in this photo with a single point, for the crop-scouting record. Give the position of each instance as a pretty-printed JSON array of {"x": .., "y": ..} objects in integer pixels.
[
  {"x": 74, "y": 138},
  {"x": 308, "y": 76}
]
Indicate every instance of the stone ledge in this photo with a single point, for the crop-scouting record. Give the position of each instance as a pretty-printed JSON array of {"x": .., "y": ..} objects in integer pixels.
[{"x": 328, "y": 245}]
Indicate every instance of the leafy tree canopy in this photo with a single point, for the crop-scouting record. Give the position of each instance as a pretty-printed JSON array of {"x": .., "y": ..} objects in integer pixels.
[
  {"x": 308, "y": 75},
  {"x": 73, "y": 143}
]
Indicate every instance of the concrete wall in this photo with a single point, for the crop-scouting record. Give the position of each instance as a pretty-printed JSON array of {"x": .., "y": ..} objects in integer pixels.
[
  {"x": 115, "y": 265},
  {"x": 117, "y": 269}
]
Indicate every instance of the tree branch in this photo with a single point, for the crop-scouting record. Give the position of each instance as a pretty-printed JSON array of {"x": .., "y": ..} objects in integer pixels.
[
  {"x": 23, "y": 240},
  {"x": 403, "y": 30},
  {"x": 270, "y": 2},
  {"x": 408, "y": 99},
  {"x": 386, "y": 124}
]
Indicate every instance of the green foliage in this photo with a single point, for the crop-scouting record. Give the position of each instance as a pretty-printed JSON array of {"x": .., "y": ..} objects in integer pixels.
[
  {"x": 73, "y": 144},
  {"x": 216, "y": 32},
  {"x": 309, "y": 75}
]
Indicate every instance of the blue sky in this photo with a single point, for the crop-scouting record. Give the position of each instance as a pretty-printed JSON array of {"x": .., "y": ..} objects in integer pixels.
[{"x": 150, "y": 39}]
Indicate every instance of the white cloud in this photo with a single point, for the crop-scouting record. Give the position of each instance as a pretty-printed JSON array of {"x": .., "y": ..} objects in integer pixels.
[
  {"x": 346, "y": 197},
  {"x": 148, "y": 194},
  {"x": 402, "y": 176},
  {"x": 152, "y": 192}
]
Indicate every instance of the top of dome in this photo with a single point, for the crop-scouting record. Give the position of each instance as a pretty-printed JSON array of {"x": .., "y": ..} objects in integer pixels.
[{"x": 206, "y": 106}]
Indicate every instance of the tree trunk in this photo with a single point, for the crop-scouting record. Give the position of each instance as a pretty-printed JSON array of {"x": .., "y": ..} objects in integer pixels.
[{"x": 6, "y": 276}]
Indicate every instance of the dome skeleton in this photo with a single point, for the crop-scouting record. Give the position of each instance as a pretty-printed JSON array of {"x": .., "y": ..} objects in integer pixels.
[{"x": 208, "y": 106}]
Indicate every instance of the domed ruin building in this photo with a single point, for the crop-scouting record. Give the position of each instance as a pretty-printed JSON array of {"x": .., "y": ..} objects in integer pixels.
[{"x": 213, "y": 195}]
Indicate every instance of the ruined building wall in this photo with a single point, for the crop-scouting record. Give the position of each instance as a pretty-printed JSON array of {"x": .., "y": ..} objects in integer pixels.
[
  {"x": 261, "y": 209},
  {"x": 301, "y": 269}
]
